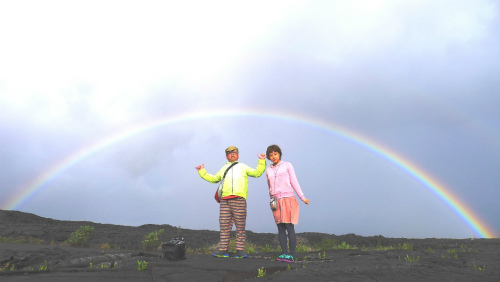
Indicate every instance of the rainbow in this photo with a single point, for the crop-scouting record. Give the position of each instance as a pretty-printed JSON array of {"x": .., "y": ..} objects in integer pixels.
[{"x": 27, "y": 192}]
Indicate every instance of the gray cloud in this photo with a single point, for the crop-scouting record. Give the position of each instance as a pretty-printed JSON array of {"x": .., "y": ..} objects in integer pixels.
[{"x": 417, "y": 77}]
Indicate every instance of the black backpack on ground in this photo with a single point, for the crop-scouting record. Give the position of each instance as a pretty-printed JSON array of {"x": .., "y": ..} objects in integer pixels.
[{"x": 174, "y": 249}]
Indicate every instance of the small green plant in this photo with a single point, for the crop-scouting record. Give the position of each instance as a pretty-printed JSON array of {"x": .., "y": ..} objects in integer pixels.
[
  {"x": 405, "y": 246},
  {"x": 105, "y": 246},
  {"x": 478, "y": 267},
  {"x": 232, "y": 245},
  {"x": 452, "y": 253},
  {"x": 90, "y": 265},
  {"x": 430, "y": 250},
  {"x": 288, "y": 267},
  {"x": 5, "y": 267},
  {"x": 274, "y": 256},
  {"x": 43, "y": 267},
  {"x": 302, "y": 248},
  {"x": 469, "y": 250},
  {"x": 80, "y": 236},
  {"x": 411, "y": 258},
  {"x": 326, "y": 244},
  {"x": 22, "y": 240},
  {"x": 261, "y": 272},
  {"x": 344, "y": 246},
  {"x": 379, "y": 247},
  {"x": 268, "y": 249},
  {"x": 320, "y": 257},
  {"x": 151, "y": 240},
  {"x": 250, "y": 248},
  {"x": 142, "y": 265}
]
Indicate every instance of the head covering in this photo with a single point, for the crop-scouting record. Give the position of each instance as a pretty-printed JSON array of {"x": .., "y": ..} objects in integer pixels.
[{"x": 231, "y": 148}]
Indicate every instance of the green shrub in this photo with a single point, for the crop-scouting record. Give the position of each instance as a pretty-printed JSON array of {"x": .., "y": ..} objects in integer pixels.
[
  {"x": 344, "y": 246},
  {"x": 80, "y": 236},
  {"x": 269, "y": 249},
  {"x": 325, "y": 245},
  {"x": 405, "y": 246},
  {"x": 7, "y": 266},
  {"x": 151, "y": 240}
]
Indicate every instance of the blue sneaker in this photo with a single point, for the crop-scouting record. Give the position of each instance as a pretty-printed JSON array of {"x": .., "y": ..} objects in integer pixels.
[
  {"x": 240, "y": 254},
  {"x": 288, "y": 258},
  {"x": 221, "y": 254},
  {"x": 282, "y": 257}
]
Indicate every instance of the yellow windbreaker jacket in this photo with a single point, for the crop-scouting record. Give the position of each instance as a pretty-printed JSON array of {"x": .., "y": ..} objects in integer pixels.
[{"x": 236, "y": 181}]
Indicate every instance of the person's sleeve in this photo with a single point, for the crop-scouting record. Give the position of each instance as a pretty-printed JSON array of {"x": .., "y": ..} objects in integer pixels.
[
  {"x": 209, "y": 177},
  {"x": 295, "y": 182},
  {"x": 261, "y": 167}
]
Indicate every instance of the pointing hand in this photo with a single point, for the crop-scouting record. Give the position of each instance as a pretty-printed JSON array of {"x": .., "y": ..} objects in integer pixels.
[{"x": 200, "y": 167}]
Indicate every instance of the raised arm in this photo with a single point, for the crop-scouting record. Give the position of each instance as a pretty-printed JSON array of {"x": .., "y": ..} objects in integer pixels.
[
  {"x": 207, "y": 176},
  {"x": 261, "y": 167}
]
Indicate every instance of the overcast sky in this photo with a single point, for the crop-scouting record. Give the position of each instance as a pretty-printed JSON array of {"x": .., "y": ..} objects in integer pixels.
[{"x": 420, "y": 78}]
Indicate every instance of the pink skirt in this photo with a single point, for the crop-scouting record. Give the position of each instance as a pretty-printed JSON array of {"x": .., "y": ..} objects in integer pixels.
[{"x": 287, "y": 211}]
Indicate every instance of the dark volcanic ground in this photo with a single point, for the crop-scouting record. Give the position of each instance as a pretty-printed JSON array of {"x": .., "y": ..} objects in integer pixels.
[{"x": 428, "y": 260}]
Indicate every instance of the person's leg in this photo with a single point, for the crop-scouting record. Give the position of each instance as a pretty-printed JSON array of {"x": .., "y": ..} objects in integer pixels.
[
  {"x": 226, "y": 224},
  {"x": 292, "y": 238},
  {"x": 239, "y": 206},
  {"x": 282, "y": 237}
]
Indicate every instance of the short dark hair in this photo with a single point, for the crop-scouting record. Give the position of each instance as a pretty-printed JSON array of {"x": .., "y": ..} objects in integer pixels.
[{"x": 273, "y": 148}]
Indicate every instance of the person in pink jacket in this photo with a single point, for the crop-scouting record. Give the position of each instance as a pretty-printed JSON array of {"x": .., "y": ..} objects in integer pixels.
[{"x": 283, "y": 185}]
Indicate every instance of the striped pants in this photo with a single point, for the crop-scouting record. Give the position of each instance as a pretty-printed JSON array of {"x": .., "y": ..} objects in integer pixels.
[{"x": 233, "y": 211}]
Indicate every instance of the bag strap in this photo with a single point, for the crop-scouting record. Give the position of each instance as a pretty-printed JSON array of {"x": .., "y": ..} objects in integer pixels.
[
  {"x": 222, "y": 181},
  {"x": 233, "y": 164},
  {"x": 275, "y": 179}
]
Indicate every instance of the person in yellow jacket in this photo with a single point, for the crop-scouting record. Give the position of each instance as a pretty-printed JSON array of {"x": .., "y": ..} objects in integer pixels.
[{"x": 233, "y": 205}]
